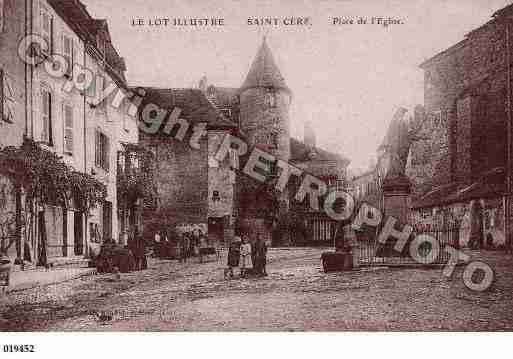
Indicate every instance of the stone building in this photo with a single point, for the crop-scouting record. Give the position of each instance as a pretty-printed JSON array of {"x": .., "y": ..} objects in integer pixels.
[
  {"x": 73, "y": 123},
  {"x": 195, "y": 188},
  {"x": 459, "y": 169},
  {"x": 192, "y": 187},
  {"x": 13, "y": 101}
]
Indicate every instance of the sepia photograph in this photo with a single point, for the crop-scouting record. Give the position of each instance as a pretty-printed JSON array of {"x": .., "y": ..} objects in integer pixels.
[{"x": 255, "y": 166}]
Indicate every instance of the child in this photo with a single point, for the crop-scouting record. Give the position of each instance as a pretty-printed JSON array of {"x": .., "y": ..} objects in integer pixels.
[
  {"x": 233, "y": 257},
  {"x": 245, "y": 257}
]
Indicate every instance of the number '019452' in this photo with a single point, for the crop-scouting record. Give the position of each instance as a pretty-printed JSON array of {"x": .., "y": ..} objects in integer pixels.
[{"x": 13, "y": 348}]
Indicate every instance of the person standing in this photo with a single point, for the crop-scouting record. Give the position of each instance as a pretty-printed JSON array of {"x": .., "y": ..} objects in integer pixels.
[
  {"x": 245, "y": 257},
  {"x": 184, "y": 247},
  {"x": 261, "y": 255},
  {"x": 233, "y": 257}
]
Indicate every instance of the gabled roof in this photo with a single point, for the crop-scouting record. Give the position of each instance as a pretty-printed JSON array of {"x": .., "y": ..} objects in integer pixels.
[
  {"x": 300, "y": 152},
  {"x": 75, "y": 14},
  {"x": 194, "y": 105},
  {"x": 263, "y": 71}
]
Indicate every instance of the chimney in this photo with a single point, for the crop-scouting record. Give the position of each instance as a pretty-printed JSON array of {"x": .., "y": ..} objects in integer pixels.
[{"x": 309, "y": 138}]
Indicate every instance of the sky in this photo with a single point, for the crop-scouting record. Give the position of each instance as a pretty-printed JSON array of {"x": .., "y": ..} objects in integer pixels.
[{"x": 347, "y": 80}]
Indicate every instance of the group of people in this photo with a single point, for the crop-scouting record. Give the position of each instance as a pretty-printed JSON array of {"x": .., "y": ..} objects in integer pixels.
[
  {"x": 190, "y": 243},
  {"x": 249, "y": 258}
]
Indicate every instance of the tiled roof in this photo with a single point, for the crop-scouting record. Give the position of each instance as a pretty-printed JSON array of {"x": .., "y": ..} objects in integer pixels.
[
  {"x": 193, "y": 103},
  {"x": 75, "y": 14},
  {"x": 225, "y": 97},
  {"x": 490, "y": 185},
  {"x": 264, "y": 72},
  {"x": 300, "y": 152}
]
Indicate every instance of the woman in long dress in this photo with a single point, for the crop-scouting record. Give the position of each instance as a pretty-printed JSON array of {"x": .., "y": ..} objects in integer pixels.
[{"x": 245, "y": 257}]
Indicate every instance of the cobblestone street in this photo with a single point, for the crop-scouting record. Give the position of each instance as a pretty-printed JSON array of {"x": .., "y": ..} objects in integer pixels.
[{"x": 296, "y": 295}]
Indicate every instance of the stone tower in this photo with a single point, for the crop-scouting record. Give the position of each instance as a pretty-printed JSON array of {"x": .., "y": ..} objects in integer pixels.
[{"x": 264, "y": 119}]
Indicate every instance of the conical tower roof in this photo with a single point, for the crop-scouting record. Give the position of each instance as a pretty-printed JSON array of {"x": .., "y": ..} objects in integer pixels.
[{"x": 263, "y": 71}]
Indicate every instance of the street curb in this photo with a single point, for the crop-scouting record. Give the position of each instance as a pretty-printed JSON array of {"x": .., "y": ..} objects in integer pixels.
[{"x": 32, "y": 285}]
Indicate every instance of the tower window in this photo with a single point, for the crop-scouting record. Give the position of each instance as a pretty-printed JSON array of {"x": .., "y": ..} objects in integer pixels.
[
  {"x": 273, "y": 140},
  {"x": 270, "y": 98},
  {"x": 215, "y": 196}
]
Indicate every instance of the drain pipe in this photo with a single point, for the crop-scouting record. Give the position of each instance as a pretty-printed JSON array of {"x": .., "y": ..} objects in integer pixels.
[{"x": 507, "y": 210}]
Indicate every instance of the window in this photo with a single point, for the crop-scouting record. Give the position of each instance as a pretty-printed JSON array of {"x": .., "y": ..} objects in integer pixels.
[
  {"x": 226, "y": 112},
  {"x": 47, "y": 28},
  {"x": 6, "y": 98},
  {"x": 270, "y": 98},
  {"x": 121, "y": 161},
  {"x": 102, "y": 151},
  {"x": 67, "y": 52},
  {"x": 68, "y": 129},
  {"x": 273, "y": 140},
  {"x": 275, "y": 123},
  {"x": 2, "y": 15},
  {"x": 215, "y": 196},
  {"x": 46, "y": 116},
  {"x": 133, "y": 160}
]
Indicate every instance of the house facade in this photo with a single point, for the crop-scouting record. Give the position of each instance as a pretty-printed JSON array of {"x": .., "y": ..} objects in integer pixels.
[
  {"x": 13, "y": 102},
  {"x": 83, "y": 125},
  {"x": 192, "y": 188}
]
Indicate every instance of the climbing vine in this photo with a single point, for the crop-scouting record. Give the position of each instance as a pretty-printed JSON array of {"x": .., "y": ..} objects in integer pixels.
[
  {"x": 136, "y": 181},
  {"x": 43, "y": 177}
]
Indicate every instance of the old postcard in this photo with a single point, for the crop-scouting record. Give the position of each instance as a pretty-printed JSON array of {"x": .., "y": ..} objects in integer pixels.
[{"x": 255, "y": 166}]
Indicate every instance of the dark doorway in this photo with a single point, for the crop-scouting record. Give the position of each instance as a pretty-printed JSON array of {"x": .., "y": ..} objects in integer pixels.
[
  {"x": 41, "y": 248},
  {"x": 107, "y": 221},
  {"x": 78, "y": 244},
  {"x": 64, "y": 232},
  {"x": 216, "y": 229}
]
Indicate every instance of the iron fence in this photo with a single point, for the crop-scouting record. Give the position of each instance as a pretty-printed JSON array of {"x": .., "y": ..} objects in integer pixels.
[{"x": 370, "y": 252}]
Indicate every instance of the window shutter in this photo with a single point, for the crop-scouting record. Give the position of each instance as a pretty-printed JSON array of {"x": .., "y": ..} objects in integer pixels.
[
  {"x": 91, "y": 90},
  {"x": 50, "y": 119},
  {"x": 107, "y": 153},
  {"x": 68, "y": 52},
  {"x": 68, "y": 129},
  {"x": 96, "y": 148},
  {"x": 1, "y": 94},
  {"x": 45, "y": 118},
  {"x": 46, "y": 28},
  {"x": 51, "y": 35}
]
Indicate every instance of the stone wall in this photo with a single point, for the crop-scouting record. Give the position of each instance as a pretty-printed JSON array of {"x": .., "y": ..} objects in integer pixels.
[
  {"x": 182, "y": 181},
  {"x": 464, "y": 96}
]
